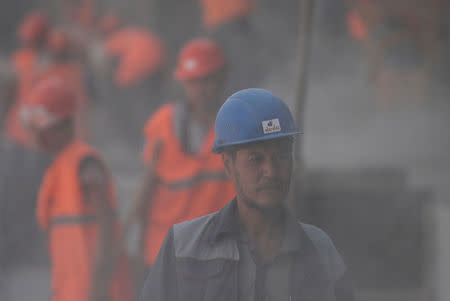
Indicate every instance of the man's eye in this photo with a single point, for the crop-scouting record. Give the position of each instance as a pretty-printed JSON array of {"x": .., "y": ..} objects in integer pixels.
[{"x": 254, "y": 159}]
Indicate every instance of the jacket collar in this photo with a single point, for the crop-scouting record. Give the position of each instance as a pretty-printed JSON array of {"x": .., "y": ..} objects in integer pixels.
[{"x": 226, "y": 223}]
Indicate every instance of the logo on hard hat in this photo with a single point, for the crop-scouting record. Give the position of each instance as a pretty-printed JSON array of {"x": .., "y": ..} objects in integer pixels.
[
  {"x": 271, "y": 126},
  {"x": 190, "y": 64}
]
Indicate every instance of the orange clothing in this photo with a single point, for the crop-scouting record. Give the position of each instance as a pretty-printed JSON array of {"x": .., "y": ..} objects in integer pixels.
[
  {"x": 71, "y": 225},
  {"x": 141, "y": 54},
  {"x": 218, "y": 12},
  {"x": 72, "y": 74},
  {"x": 188, "y": 186},
  {"x": 24, "y": 62}
]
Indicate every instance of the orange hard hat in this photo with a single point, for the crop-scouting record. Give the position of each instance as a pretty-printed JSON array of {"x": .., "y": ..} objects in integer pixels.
[
  {"x": 33, "y": 27},
  {"x": 48, "y": 102},
  {"x": 58, "y": 41},
  {"x": 109, "y": 23},
  {"x": 200, "y": 57},
  {"x": 140, "y": 52}
]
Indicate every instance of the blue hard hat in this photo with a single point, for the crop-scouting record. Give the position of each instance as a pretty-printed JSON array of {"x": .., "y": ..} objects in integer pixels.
[{"x": 252, "y": 115}]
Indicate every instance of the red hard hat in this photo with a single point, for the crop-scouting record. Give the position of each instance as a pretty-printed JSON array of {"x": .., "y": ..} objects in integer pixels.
[
  {"x": 49, "y": 101},
  {"x": 140, "y": 52},
  {"x": 199, "y": 58},
  {"x": 33, "y": 27}
]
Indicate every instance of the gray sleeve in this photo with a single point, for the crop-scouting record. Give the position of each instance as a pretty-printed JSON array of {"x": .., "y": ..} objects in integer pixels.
[
  {"x": 161, "y": 283},
  {"x": 332, "y": 261}
]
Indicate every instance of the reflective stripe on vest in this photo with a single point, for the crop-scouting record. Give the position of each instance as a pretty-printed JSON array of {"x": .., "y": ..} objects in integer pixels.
[
  {"x": 200, "y": 177},
  {"x": 73, "y": 220}
]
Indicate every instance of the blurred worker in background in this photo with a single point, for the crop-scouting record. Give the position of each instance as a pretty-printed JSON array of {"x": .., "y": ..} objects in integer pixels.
[
  {"x": 76, "y": 205},
  {"x": 402, "y": 54},
  {"x": 182, "y": 179},
  {"x": 136, "y": 77},
  {"x": 96, "y": 55},
  {"x": 217, "y": 14},
  {"x": 229, "y": 24},
  {"x": 65, "y": 63},
  {"x": 21, "y": 168},
  {"x": 401, "y": 46},
  {"x": 32, "y": 33},
  {"x": 252, "y": 249}
]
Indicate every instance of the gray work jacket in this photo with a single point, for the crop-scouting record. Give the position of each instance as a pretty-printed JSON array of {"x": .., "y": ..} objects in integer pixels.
[{"x": 199, "y": 261}]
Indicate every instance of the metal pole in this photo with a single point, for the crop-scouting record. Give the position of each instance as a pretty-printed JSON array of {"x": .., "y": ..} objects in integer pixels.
[{"x": 305, "y": 38}]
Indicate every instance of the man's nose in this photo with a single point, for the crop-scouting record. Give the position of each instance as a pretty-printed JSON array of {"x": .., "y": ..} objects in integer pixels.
[{"x": 270, "y": 168}]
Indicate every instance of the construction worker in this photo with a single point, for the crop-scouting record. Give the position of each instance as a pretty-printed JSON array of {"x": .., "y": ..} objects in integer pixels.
[
  {"x": 32, "y": 34},
  {"x": 21, "y": 169},
  {"x": 402, "y": 56},
  {"x": 182, "y": 179},
  {"x": 228, "y": 23},
  {"x": 136, "y": 78},
  {"x": 76, "y": 201},
  {"x": 252, "y": 249},
  {"x": 65, "y": 63}
]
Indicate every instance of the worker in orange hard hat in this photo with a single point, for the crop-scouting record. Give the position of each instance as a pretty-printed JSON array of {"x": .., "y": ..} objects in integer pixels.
[
  {"x": 21, "y": 164},
  {"x": 136, "y": 78},
  {"x": 76, "y": 201},
  {"x": 182, "y": 178},
  {"x": 32, "y": 34},
  {"x": 65, "y": 64}
]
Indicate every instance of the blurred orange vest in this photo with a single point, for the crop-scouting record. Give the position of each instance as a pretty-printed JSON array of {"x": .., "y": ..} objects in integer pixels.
[
  {"x": 24, "y": 62},
  {"x": 218, "y": 12},
  {"x": 72, "y": 229},
  {"x": 188, "y": 185}
]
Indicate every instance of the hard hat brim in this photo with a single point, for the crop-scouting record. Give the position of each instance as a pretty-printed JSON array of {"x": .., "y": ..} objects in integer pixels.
[{"x": 218, "y": 149}]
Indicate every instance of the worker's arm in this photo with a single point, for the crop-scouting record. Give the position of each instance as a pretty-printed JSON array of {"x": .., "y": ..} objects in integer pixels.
[
  {"x": 95, "y": 187},
  {"x": 161, "y": 283},
  {"x": 141, "y": 205}
]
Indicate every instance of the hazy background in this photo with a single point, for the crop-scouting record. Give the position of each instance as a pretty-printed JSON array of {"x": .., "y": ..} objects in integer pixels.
[{"x": 377, "y": 167}]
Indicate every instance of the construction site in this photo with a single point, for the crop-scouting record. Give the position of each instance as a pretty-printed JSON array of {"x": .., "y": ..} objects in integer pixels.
[{"x": 367, "y": 83}]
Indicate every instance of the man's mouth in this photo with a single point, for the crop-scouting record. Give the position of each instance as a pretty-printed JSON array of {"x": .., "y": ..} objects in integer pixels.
[{"x": 269, "y": 188}]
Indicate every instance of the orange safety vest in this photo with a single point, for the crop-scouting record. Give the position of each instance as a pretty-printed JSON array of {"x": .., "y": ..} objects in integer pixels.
[
  {"x": 71, "y": 226},
  {"x": 218, "y": 12},
  {"x": 24, "y": 62},
  {"x": 188, "y": 186}
]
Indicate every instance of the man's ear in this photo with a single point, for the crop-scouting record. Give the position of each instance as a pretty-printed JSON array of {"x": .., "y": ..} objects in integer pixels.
[{"x": 227, "y": 161}]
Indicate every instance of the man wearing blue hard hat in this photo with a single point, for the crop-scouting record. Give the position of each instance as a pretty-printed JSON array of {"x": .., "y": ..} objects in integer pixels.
[{"x": 252, "y": 249}]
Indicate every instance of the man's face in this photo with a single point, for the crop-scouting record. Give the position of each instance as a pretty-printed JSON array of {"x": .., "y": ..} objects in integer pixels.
[
  {"x": 204, "y": 92},
  {"x": 261, "y": 173},
  {"x": 50, "y": 139}
]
